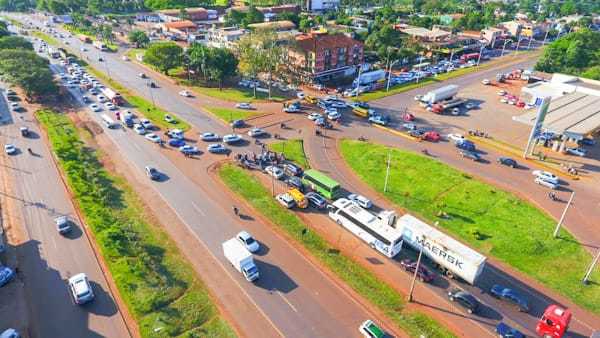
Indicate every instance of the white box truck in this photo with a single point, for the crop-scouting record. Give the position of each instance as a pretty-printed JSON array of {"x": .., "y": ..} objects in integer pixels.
[
  {"x": 240, "y": 258},
  {"x": 440, "y": 94},
  {"x": 453, "y": 257}
]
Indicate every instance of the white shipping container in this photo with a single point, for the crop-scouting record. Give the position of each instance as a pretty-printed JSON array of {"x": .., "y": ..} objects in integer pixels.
[{"x": 458, "y": 258}]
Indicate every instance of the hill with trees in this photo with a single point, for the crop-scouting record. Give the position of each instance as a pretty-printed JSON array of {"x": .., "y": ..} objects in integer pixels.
[{"x": 577, "y": 53}]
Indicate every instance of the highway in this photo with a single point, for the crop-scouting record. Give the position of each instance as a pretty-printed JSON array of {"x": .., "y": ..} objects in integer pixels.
[
  {"x": 48, "y": 259},
  {"x": 296, "y": 297}
]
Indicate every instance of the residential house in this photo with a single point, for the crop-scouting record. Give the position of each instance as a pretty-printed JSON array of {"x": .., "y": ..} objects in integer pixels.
[
  {"x": 180, "y": 28},
  {"x": 323, "y": 56}
]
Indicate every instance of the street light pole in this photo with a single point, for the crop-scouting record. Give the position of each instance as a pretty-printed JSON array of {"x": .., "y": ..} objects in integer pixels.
[
  {"x": 414, "y": 279},
  {"x": 480, "y": 52},
  {"x": 504, "y": 46},
  {"x": 390, "y": 75},
  {"x": 591, "y": 268},
  {"x": 562, "y": 217},
  {"x": 545, "y": 36},
  {"x": 387, "y": 171}
]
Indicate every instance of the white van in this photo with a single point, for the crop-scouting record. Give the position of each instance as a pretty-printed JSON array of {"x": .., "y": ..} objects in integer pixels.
[{"x": 110, "y": 123}]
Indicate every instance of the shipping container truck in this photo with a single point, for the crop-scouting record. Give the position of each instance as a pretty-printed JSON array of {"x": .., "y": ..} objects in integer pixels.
[
  {"x": 113, "y": 96},
  {"x": 440, "y": 94},
  {"x": 240, "y": 258},
  {"x": 451, "y": 256},
  {"x": 370, "y": 77}
]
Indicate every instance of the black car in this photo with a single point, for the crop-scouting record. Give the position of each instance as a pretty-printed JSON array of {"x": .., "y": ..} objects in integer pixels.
[
  {"x": 152, "y": 173},
  {"x": 417, "y": 133},
  {"x": 316, "y": 200},
  {"x": 237, "y": 123},
  {"x": 295, "y": 182},
  {"x": 424, "y": 274},
  {"x": 465, "y": 299},
  {"x": 510, "y": 295},
  {"x": 507, "y": 161},
  {"x": 470, "y": 155},
  {"x": 152, "y": 85},
  {"x": 85, "y": 99}
]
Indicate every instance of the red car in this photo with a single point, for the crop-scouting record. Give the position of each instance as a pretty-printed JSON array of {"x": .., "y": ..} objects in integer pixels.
[
  {"x": 424, "y": 274},
  {"x": 408, "y": 117},
  {"x": 431, "y": 136}
]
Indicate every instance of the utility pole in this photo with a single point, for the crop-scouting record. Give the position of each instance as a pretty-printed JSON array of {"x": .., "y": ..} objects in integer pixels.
[
  {"x": 387, "y": 172},
  {"x": 503, "y": 47},
  {"x": 591, "y": 268},
  {"x": 390, "y": 75},
  {"x": 414, "y": 279},
  {"x": 546, "y": 36},
  {"x": 562, "y": 217},
  {"x": 358, "y": 81},
  {"x": 480, "y": 52},
  {"x": 529, "y": 44}
]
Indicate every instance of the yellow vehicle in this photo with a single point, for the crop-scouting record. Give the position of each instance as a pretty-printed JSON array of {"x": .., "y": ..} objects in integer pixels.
[
  {"x": 301, "y": 201},
  {"x": 311, "y": 99},
  {"x": 362, "y": 112}
]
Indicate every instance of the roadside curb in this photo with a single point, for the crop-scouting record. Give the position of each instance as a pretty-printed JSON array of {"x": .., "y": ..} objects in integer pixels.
[{"x": 397, "y": 132}]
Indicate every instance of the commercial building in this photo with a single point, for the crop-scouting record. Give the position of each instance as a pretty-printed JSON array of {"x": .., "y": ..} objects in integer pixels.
[
  {"x": 278, "y": 26},
  {"x": 179, "y": 28},
  {"x": 321, "y": 56},
  {"x": 574, "y": 110},
  {"x": 192, "y": 14},
  {"x": 322, "y": 5},
  {"x": 224, "y": 37}
]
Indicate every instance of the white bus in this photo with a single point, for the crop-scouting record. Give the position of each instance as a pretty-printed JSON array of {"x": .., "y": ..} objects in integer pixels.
[
  {"x": 375, "y": 230},
  {"x": 108, "y": 122}
]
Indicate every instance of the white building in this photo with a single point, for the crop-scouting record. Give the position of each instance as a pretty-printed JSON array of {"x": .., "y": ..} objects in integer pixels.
[
  {"x": 224, "y": 37},
  {"x": 322, "y": 5}
]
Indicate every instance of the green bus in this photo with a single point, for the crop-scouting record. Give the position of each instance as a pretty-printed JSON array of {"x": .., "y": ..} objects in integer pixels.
[{"x": 321, "y": 184}]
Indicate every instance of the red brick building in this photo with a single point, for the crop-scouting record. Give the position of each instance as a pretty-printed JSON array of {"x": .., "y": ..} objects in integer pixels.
[{"x": 323, "y": 56}]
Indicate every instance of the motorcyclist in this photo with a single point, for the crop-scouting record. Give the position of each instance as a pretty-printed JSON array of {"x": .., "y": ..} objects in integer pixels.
[
  {"x": 30, "y": 151},
  {"x": 236, "y": 211}
]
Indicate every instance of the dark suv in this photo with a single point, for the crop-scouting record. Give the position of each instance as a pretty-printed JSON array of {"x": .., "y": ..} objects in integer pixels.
[
  {"x": 465, "y": 299},
  {"x": 292, "y": 170},
  {"x": 511, "y": 296},
  {"x": 424, "y": 274}
]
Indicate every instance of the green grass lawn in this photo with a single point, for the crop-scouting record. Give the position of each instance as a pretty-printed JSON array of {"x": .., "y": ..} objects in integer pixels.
[
  {"x": 237, "y": 94},
  {"x": 154, "y": 279},
  {"x": 47, "y": 38},
  {"x": 293, "y": 151},
  {"x": 495, "y": 222},
  {"x": 152, "y": 113},
  {"x": 359, "y": 278},
  {"x": 229, "y": 114}
]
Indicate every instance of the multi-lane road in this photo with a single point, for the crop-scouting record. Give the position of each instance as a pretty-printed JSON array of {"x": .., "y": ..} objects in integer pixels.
[{"x": 47, "y": 259}]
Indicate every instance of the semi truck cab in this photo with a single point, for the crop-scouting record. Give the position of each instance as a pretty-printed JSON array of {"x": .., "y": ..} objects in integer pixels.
[{"x": 554, "y": 322}]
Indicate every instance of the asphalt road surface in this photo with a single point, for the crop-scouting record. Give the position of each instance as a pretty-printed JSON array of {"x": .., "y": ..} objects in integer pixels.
[
  {"x": 48, "y": 259},
  {"x": 298, "y": 299}
]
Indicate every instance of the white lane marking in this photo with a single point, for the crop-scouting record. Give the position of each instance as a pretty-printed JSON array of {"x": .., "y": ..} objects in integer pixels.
[
  {"x": 198, "y": 209},
  {"x": 286, "y": 300}
]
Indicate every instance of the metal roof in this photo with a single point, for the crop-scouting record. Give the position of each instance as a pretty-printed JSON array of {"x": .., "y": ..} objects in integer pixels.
[{"x": 574, "y": 115}]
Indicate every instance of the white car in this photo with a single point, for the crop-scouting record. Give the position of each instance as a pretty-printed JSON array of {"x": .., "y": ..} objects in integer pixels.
[
  {"x": 10, "y": 149},
  {"x": 339, "y": 104},
  {"x": 188, "y": 149},
  {"x": 124, "y": 58},
  {"x": 110, "y": 106},
  {"x": 485, "y": 82},
  {"x": 176, "y": 133},
  {"x": 545, "y": 183},
  {"x": 361, "y": 200},
  {"x": 169, "y": 119},
  {"x": 81, "y": 290},
  {"x": 300, "y": 95},
  {"x": 152, "y": 137},
  {"x": 83, "y": 49},
  {"x": 546, "y": 176},
  {"x": 139, "y": 129},
  {"x": 576, "y": 151},
  {"x": 314, "y": 116},
  {"x": 502, "y": 93},
  {"x": 232, "y": 138},
  {"x": 243, "y": 105},
  {"x": 334, "y": 115},
  {"x": 102, "y": 98},
  {"x": 256, "y": 132},
  {"x": 185, "y": 93},
  {"x": 456, "y": 137},
  {"x": 146, "y": 124},
  {"x": 217, "y": 148},
  {"x": 248, "y": 241},
  {"x": 209, "y": 137},
  {"x": 418, "y": 97},
  {"x": 274, "y": 171},
  {"x": 94, "y": 107},
  {"x": 286, "y": 200},
  {"x": 10, "y": 333}
]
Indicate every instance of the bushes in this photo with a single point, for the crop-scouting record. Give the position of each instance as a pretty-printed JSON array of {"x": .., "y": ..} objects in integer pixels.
[{"x": 156, "y": 282}]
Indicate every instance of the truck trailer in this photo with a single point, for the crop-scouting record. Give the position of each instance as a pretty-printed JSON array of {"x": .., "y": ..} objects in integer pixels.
[
  {"x": 240, "y": 258},
  {"x": 440, "y": 94},
  {"x": 113, "y": 96},
  {"x": 370, "y": 77},
  {"x": 452, "y": 257}
]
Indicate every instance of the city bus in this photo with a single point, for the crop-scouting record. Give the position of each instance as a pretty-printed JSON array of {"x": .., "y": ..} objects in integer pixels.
[
  {"x": 321, "y": 184},
  {"x": 377, "y": 231}
]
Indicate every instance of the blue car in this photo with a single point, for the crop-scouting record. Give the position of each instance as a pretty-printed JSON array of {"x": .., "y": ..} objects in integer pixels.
[
  {"x": 175, "y": 142},
  {"x": 506, "y": 331},
  {"x": 466, "y": 145},
  {"x": 510, "y": 295},
  {"x": 6, "y": 275}
]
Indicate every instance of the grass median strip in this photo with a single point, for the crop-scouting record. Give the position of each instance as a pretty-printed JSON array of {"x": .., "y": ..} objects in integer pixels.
[
  {"x": 47, "y": 38},
  {"x": 237, "y": 94},
  {"x": 230, "y": 114},
  {"x": 158, "y": 285},
  {"x": 359, "y": 278},
  {"x": 293, "y": 150},
  {"x": 150, "y": 111},
  {"x": 491, "y": 220}
]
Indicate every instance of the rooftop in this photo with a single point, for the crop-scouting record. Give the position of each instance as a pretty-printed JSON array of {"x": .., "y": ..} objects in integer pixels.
[
  {"x": 185, "y": 24},
  {"x": 311, "y": 41},
  {"x": 277, "y": 25}
]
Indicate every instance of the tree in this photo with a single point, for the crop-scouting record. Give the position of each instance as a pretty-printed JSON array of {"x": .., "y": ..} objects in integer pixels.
[
  {"x": 15, "y": 42},
  {"x": 138, "y": 38},
  {"x": 164, "y": 56},
  {"x": 221, "y": 65},
  {"x": 26, "y": 69},
  {"x": 197, "y": 56}
]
